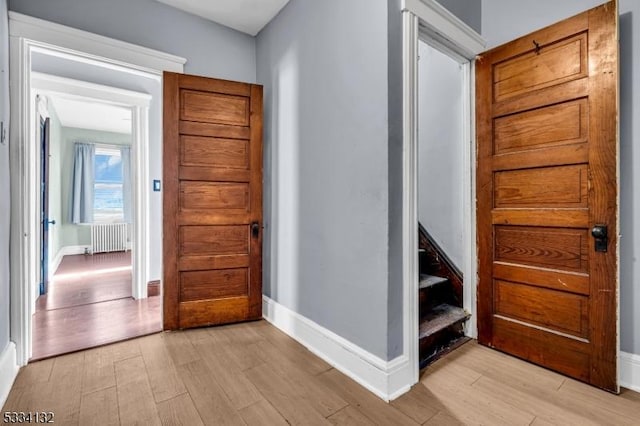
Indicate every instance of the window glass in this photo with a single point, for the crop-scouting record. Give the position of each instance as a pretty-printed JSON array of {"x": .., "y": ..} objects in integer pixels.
[{"x": 108, "y": 196}]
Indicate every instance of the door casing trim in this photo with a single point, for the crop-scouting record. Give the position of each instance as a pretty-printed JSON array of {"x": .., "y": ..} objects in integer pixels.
[
  {"x": 427, "y": 20},
  {"x": 26, "y": 35}
]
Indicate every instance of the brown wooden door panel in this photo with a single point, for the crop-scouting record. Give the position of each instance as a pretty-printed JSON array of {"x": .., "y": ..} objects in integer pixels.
[
  {"x": 547, "y": 173},
  {"x": 212, "y": 201}
]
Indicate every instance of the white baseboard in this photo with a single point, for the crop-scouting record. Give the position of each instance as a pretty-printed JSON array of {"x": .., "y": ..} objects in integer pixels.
[
  {"x": 8, "y": 371},
  {"x": 630, "y": 371},
  {"x": 386, "y": 379},
  {"x": 65, "y": 251}
]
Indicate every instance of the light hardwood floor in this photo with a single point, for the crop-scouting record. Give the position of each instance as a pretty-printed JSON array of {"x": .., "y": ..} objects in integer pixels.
[{"x": 253, "y": 374}]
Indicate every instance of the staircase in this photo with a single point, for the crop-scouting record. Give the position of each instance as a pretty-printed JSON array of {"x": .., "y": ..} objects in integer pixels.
[{"x": 441, "y": 313}]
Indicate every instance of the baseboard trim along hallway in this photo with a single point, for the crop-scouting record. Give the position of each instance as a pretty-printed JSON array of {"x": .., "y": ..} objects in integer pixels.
[
  {"x": 630, "y": 371},
  {"x": 8, "y": 371},
  {"x": 387, "y": 379}
]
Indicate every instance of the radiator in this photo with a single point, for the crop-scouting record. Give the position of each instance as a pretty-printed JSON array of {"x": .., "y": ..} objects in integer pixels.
[{"x": 108, "y": 237}]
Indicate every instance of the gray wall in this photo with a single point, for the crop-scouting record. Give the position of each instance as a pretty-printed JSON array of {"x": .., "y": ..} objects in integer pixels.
[
  {"x": 210, "y": 49},
  {"x": 395, "y": 161},
  {"x": 503, "y": 20},
  {"x": 326, "y": 183},
  {"x": 441, "y": 150},
  {"x": 469, "y": 11},
  {"x": 70, "y": 234},
  {"x": 4, "y": 179}
]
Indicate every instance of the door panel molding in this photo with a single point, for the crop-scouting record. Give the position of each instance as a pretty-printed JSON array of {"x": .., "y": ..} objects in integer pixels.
[
  {"x": 212, "y": 201},
  {"x": 547, "y": 117}
]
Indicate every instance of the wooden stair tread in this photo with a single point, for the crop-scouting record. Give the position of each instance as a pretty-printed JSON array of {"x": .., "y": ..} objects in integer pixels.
[
  {"x": 439, "y": 318},
  {"x": 427, "y": 281}
]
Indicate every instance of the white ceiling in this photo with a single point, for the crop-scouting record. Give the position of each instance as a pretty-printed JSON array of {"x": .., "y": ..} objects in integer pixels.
[
  {"x": 248, "y": 16},
  {"x": 91, "y": 115}
]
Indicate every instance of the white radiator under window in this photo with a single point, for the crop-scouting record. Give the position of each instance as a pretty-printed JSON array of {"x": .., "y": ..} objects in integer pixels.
[{"x": 108, "y": 237}]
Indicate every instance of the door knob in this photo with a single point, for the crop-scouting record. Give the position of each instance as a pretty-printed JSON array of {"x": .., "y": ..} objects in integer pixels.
[
  {"x": 52, "y": 222},
  {"x": 255, "y": 229},
  {"x": 599, "y": 233}
]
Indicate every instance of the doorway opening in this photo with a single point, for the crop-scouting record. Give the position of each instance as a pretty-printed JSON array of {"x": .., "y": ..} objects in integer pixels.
[
  {"x": 429, "y": 22},
  {"x": 133, "y": 78},
  {"x": 86, "y": 258},
  {"x": 441, "y": 215}
]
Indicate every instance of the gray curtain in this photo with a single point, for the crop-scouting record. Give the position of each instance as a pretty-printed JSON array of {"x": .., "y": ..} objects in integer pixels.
[
  {"x": 82, "y": 184},
  {"x": 125, "y": 155}
]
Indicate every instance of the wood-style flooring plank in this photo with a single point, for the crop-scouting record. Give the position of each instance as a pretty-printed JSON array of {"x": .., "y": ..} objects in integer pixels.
[
  {"x": 35, "y": 372},
  {"x": 100, "y": 408},
  {"x": 161, "y": 371},
  {"x": 471, "y": 406},
  {"x": 179, "y": 411},
  {"x": 540, "y": 422},
  {"x": 210, "y": 400},
  {"x": 180, "y": 347},
  {"x": 279, "y": 391},
  {"x": 64, "y": 389},
  {"x": 135, "y": 398},
  {"x": 444, "y": 418},
  {"x": 350, "y": 416},
  {"x": 531, "y": 402},
  {"x": 370, "y": 405},
  {"x": 102, "y": 373},
  {"x": 293, "y": 351},
  {"x": 240, "y": 391},
  {"x": 596, "y": 404},
  {"x": 303, "y": 380},
  {"x": 418, "y": 404},
  {"x": 223, "y": 337},
  {"x": 262, "y": 413}
]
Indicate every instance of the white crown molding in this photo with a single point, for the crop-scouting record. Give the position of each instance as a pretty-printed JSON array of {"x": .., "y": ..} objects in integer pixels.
[
  {"x": 74, "y": 40},
  {"x": 445, "y": 28},
  {"x": 8, "y": 371},
  {"x": 387, "y": 379}
]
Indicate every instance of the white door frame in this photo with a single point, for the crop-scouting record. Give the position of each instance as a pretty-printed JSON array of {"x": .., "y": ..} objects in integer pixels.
[
  {"x": 427, "y": 20},
  {"x": 28, "y": 34}
]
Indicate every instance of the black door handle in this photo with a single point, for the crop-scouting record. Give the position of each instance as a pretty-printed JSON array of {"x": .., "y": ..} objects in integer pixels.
[
  {"x": 600, "y": 234},
  {"x": 255, "y": 229}
]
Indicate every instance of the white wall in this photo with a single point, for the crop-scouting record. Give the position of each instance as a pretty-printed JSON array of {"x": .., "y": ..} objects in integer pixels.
[
  {"x": 504, "y": 20},
  {"x": 326, "y": 186},
  {"x": 441, "y": 150}
]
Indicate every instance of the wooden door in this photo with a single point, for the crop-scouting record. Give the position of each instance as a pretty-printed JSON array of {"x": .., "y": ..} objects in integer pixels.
[
  {"x": 212, "y": 242},
  {"x": 547, "y": 111}
]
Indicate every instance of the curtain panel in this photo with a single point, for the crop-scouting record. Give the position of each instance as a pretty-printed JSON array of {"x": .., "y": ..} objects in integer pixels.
[{"x": 82, "y": 184}]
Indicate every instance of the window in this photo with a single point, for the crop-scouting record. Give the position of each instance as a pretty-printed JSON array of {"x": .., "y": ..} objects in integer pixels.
[{"x": 108, "y": 205}]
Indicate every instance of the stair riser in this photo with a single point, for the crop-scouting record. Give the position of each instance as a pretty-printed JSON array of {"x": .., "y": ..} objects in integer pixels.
[{"x": 434, "y": 296}]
